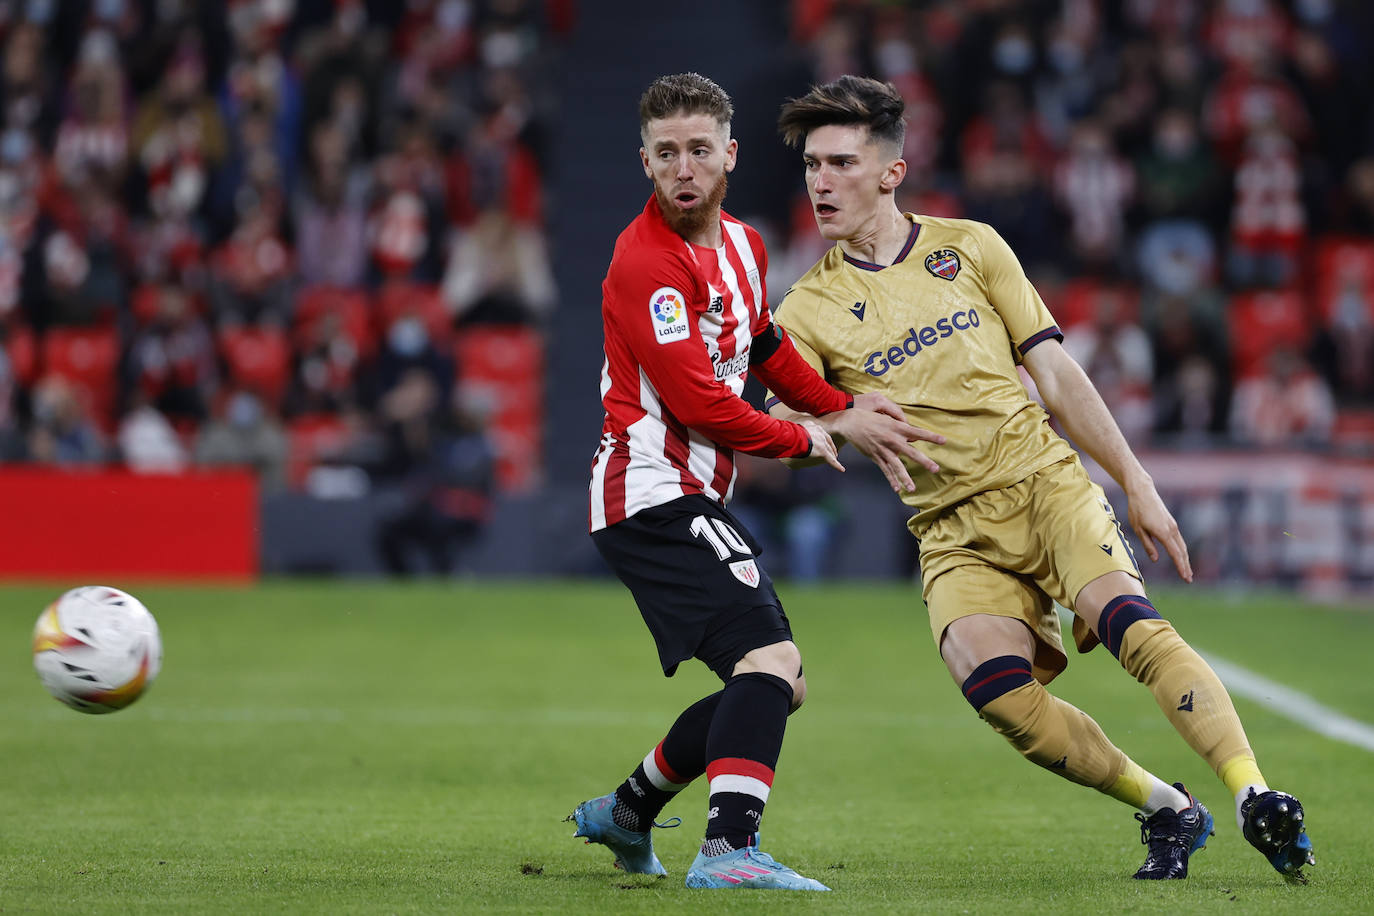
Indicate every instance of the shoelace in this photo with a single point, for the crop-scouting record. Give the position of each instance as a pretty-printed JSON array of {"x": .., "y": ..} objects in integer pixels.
[{"x": 1146, "y": 834}]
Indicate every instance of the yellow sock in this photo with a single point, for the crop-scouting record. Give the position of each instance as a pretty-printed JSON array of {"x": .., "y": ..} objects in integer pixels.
[
  {"x": 1132, "y": 786},
  {"x": 1240, "y": 773}
]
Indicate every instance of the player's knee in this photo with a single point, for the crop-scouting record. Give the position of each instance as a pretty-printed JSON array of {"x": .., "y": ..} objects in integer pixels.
[
  {"x": 1008, "y": 698},
  {"x": 1141, "y": 640},
  {"x": 798, "y": 693}
]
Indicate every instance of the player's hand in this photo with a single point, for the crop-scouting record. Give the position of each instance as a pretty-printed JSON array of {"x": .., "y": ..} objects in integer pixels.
[
  {"x": 822, "y": 446},
  {"x": 885, "y": 437},
  {"x": 1154, "y": 524}
]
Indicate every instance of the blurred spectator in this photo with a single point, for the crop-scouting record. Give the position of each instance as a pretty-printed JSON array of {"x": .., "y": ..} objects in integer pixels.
[
  {"x": 147, "y": 442},
  {"x": 93, "y": 139},
  {"x": 1178, "y": 177},
  {"x": 409, "y": 347},
  {"x": 439, "y": 470},
  {"x": 1116, "y": 354},
  {"x": 406, "y": 226},
  {"x": 331, "y": 214},
  {"x": 1094, "y": 185},
  {"x": 20, "y": 178},
  {"x": 1286, "y": 406},
  {"x": 243, "y": 433},
  {"x": 250, "y": 279},
  {"x": 791, "y": 513},
  {"x": 78, "y": 267},
  {"x": 11, "y": 437},
  {"x": 179, "y": 136},
  {"x": 171, "y": 362},
  {"x": 1189, "y": 340},
  {"x": 27, "y": 90},
  {"x": 63, "y": 433},
  {"x": 1268, "y": 219}
]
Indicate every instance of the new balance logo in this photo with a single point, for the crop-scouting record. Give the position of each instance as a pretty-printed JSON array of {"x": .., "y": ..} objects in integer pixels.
[
  {"x": 1185, "y": 702},
  {"x": 1061, "y": 764},
  {"x": 858, "y": 309},
  {"x": 634, "y": 786},
  {"x": 717, "y": 305},
  {"x": 714, "y": 812},
  {"x": 1107, "y": 548}
]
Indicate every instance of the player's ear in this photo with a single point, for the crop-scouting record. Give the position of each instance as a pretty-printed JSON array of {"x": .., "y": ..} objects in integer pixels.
[
  {"x": 731, "y": 150},
  {"x": 893, "y": 175},
  {"x": 644, "y": 160}
]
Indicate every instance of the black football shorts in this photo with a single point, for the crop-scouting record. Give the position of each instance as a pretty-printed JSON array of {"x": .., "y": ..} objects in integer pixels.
[{"x": 693, "y": 571}]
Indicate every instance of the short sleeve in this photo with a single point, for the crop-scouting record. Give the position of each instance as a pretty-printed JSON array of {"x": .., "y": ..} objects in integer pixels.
[{"x": 1027, "y": 319}]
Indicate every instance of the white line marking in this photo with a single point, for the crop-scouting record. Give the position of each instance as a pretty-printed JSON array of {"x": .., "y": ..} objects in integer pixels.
[{"x": 1291, "y": 704}]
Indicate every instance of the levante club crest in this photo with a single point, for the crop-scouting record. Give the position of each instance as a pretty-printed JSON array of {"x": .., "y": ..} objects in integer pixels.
[{"x": 943, "y": 263}]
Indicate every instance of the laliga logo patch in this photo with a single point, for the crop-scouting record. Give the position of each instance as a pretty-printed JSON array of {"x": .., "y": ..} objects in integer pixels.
[
  {"x": 943, "y": 263},
  {"x": 668, "y": 311},
  {"x": 747, "y": 571}
]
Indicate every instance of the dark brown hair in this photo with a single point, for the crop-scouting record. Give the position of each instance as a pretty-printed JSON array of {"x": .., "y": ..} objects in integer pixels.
[
  {"x": 684, "y": 93},
  {"x": 849, "y": 100}
]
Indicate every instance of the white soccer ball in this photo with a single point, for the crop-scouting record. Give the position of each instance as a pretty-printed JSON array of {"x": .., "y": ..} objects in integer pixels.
[{"x": 97, "y": 649}]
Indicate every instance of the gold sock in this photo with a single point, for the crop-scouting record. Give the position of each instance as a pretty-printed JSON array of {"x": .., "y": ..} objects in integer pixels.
[
  {"x": 1133, "y": 786},
  {"x": 1056, "y": 735},
  {"x": 1240, "y": 772},
  {"x": 1187, "y": 690}
]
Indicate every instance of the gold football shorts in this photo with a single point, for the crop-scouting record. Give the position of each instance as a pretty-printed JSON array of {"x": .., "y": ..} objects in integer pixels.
[{"x": 1013, "y": 552}]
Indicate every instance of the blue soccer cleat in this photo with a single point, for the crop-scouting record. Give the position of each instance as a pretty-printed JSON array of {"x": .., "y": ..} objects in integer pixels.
[
  {"x": 748, "y": 868},
  {"x": 634, "y": 851},
  {"x": 1273, "y": 823},
  {"x": 1173, "y": 836}
]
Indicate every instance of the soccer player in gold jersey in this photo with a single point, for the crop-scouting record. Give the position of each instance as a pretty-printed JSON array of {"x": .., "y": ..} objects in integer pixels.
[{"x": 937, "y": 314}]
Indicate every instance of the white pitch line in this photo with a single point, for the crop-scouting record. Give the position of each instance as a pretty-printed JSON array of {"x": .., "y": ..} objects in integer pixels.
[{"x": 1291, "y": 704}]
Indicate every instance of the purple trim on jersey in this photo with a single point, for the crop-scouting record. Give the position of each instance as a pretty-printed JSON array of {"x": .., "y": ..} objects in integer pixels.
[
  {"x": 901, "y": 255},
  {"x": 1050, "y": 332}
]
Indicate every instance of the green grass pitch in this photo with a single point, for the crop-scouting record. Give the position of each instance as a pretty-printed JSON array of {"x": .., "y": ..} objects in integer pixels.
[{"x": 343, "y": 747}]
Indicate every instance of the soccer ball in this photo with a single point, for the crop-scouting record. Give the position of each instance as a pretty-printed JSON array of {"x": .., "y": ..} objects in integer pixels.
[{"x": 96, "y": 649}]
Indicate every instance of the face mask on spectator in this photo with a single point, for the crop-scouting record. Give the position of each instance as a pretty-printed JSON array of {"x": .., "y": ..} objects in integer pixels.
[
  {"x": 407, "y": 337},
  {"x": 1013, "y": 54},
  {"x": 244, "y": 411}
]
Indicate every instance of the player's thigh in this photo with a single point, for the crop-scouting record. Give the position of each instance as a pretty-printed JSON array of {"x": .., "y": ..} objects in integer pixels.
[{"x": 979, "y": 611}]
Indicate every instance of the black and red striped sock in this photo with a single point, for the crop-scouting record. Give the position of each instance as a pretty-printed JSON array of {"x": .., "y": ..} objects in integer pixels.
[
  {"x": 742, "y": 751},
  {"x": 667, "y": 769}
]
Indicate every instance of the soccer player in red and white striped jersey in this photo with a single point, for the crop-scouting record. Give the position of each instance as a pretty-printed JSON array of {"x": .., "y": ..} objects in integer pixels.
[{"x": 686, "y": 320}]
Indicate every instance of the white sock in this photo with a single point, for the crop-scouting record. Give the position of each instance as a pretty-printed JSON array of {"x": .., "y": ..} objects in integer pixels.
[
  {"x": 1163, "y": 795},
  {"x": 1258, "y": 788}
]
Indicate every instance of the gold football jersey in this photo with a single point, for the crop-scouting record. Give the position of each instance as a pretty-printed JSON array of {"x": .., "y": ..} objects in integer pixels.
[{"x": 940, "y": 332}]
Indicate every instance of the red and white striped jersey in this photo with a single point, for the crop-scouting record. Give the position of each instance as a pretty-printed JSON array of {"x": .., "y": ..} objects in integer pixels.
[{"x": 679, "y": 320}]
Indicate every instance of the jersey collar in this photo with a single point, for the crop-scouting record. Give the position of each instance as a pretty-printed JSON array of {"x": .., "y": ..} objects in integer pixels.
[{"x": 901, "y": 255}]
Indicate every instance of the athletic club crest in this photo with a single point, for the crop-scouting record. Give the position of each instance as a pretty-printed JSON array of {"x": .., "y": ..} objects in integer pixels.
[
  {"x": 747, "y": 571},
  {"x": 943, "y": 263}
]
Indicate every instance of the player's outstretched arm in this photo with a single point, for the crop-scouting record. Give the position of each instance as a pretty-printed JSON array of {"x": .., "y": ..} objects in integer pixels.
[
  {"x": 1071, "y": 397},
  {"x": 879, "y": 430}
]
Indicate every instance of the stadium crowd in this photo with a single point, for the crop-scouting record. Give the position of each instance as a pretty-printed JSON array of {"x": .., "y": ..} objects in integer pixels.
[
  {"x": 253, "y": 233},
  {"x": 260, "y": 233},
  {"x": 1189, "y": 183}
]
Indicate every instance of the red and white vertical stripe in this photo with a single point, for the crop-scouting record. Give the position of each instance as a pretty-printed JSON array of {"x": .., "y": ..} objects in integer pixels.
[{"x": 647, "y": 457}]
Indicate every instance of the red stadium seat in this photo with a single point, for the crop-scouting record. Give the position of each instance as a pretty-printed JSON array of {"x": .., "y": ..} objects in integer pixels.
[
  {"x": 21, "y": 346},
  {"x": 1260, "y": 322},
  {"x": 89, "y": 359},
  {"x": 504, "y": 365},
  {"x": 1344, "y": 266},
  {"x": 351, "y": 307},
  {"x": 259, "y": 359}
]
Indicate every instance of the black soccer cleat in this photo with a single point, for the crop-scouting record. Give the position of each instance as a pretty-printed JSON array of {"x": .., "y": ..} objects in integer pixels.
[
  {"x": 1273, "y": 823},
  {"x": 1172, "y": 838}
]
